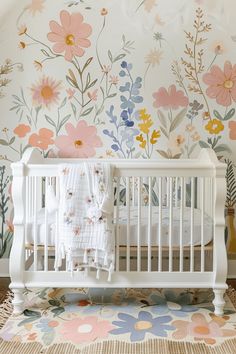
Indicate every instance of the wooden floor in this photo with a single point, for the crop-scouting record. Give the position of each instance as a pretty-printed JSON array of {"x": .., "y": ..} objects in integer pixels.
[{"x": 4, "y": 283}]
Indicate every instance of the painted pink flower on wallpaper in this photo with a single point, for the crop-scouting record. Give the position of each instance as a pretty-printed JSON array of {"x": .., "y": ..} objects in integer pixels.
[
  {"x": 80, "y": 141},
  {"x": 232, "y": 130},
  {"x": 71, "y": 36},
  {"x": 171, "y": 99},
  {"x": 46, "y": 92},
  {"x": 222, "y": 84},
  {"x": 85, "y": 330},
  {"x": 22, "y": 130},
  {"x": 42, "y": 140}
]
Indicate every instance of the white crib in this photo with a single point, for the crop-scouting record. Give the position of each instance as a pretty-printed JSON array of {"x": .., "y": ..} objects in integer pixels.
[{"x": 174, "y": 238}]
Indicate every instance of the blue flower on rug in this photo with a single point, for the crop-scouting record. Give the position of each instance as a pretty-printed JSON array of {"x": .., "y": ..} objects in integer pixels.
[
  {"x": 178, "y": 305},
  {"x": 47, "y": 325},
  {"x": 138, "y": 327}
]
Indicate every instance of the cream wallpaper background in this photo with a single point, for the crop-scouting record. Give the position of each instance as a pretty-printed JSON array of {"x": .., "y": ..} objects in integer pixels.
[{"x": 117, "y": 78}]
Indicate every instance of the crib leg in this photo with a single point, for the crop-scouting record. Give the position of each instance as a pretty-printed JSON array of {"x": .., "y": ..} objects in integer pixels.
[
  {"x": 18, "y": 301},
  {"x": 219, "y": 301}
]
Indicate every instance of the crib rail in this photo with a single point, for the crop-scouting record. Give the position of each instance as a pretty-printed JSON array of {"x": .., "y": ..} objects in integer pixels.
[{"x": 159, "y": 199}]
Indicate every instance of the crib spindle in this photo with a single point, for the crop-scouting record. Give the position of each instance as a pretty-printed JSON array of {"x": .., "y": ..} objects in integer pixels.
[
  {"x": 176, "y": 191},
  {"x": 160, "y": 227},
  {"x": 117, "y": 223},
  {"x": 202, "y": 224},
  {"x": 34, "y": 196},
  {"x": 46, "y": 228},
  {"x": 192, "y": 224},
  {"x": 128, "y": 224},
  {"x": 182, "y": 188},
  {"x": 57, "y": 226},
  {"x": 139, "y": 226},
  {"x": 170, "y": 184},
  {"x": 149, "y": 221}
]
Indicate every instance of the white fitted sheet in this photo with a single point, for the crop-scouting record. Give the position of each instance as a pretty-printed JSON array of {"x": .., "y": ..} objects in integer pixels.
[{"x": 208, "y": 227}]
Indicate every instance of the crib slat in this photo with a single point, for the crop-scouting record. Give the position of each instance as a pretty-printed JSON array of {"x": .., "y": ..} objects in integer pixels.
[
  {"x": 176, "y": 191},
  {"x": 182, "y": 186},
  {"x": 34, "y": 196},
  {"x": 117, "y": 222},
  {"x": 170, "y": 184},
  {"x": 139, "y": 226},
  {"x": 160, "y": 226},
  {"x": 202, "y": 223},
  {"x": 133, "y": 191},
  {"x": 192, "y": 225},
  {"x": 149, "y": 221},
  {"x": 57, "y": 225},
  {"x": 128, "y": 224},
  {"x": 46, "y": 228}
]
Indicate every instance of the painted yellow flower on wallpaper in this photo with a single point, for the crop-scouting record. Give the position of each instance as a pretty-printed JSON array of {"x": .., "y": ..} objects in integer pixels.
[
  {"x": 150, "y": 139},
  {"x": 214, "y": 126}
]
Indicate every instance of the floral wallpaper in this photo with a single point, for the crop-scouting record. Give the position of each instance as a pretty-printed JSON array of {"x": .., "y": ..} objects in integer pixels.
[{"x": 117, "y": 78}]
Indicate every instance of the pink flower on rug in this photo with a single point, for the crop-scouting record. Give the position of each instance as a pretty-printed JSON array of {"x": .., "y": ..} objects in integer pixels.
[
  {"x": 42, "y": 140},
  {"x": 21, "y": 130},
  {"x": 201, "y": 329},
  {"x": 171, "y": 99},
  {"x": 71, "y": 36},
  {"x": 45, "y": 92},
  {"x": 85, "y": 330},
  {"x": 222, "y": 84},
  {"x": 232, "y": 130},
  {"x": 80, "y": 141}
]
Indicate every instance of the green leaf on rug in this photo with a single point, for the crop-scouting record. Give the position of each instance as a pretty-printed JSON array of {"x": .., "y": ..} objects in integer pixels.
[{"x": 57, "y": 311}]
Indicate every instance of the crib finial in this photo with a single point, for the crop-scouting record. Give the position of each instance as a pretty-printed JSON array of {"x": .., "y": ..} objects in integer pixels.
[{"x": 32, "y": 156}]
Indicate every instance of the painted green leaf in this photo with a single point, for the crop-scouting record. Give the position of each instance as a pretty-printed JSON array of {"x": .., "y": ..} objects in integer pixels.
[
  {"x": 91, "y": 84},
  {"x": 163, "y": 153},
  {"x": 230, "y": 114},
  {"x": 119, "y": 57},
  {"x": 203, "y": 144},
  {"x": 54, "y": 302},
  {"x": 3, "y": 142},
  {"x": 30, "y": 313},
  {"x": 12, "y": 140},
  {"x": 87, "y": 63},
  {"x": 50, "y": 121},
  {"x": 57, "y": 311},
  {"x": 45, "y": 53},
  {"x": 162, "y": 118},
  {"x": 87, "y": 111},
  {"x": 164, "y": 132},
  {"x": 217, "y": 115},
  {"x": 222, "y": 147},
  {"x": 110, "y": 56},
  {"x": 178, "y": 119}
]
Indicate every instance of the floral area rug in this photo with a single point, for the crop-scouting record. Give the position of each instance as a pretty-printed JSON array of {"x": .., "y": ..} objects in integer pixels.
[{"x": 119, "y": 321}]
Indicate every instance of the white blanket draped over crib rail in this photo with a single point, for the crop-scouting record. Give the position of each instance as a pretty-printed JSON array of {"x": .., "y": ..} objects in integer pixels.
[{"x": 86, "y": 237}]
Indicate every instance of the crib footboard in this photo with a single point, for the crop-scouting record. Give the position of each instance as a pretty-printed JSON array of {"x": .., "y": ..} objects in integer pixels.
[{"x": 168, "y": 222}]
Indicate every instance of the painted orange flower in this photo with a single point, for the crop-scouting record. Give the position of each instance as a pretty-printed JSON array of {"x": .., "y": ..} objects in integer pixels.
[
  {"x": 80, "y": 141},
  {"x": 232, "y": 130},
  {"x": 46, "y": 92},
  {"x": 214, "y": 126},
  {"x": 42, "y": 140},
  {"x": 21, "y": 130},
  {"x": 71, "y": 36},
  {"x": 222, "y": 84}
]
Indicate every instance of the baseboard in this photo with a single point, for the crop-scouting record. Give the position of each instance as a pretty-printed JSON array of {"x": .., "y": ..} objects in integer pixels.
[{"x": 4, "y": 267}]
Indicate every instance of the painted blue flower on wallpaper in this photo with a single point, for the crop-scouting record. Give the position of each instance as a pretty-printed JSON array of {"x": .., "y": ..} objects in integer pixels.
[
  {"x": 124, "y": 134},
  {"x": 139, "y": 327},
  {"x": 178, "y": 305}
]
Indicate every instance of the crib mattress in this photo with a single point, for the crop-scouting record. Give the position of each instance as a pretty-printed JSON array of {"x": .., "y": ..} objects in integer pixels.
[{"x": 122, "y": 226}]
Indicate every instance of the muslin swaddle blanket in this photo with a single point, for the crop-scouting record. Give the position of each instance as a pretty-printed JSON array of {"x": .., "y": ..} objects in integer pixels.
[{"x": 86, "y": 237}]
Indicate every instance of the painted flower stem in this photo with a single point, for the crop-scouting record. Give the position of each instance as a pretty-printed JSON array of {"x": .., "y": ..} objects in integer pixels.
[{"x": 99, "y": 35}]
